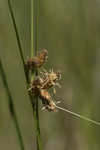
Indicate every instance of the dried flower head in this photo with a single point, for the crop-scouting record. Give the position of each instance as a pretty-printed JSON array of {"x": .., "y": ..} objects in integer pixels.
[
  {"x": 50, "y": 79},
  {"x": 38, "y": 61},
  {"x": 44, "y": 95}
]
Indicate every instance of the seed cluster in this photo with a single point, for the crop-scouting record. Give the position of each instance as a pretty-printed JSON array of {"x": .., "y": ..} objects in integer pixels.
[
  {"x": 44, "y": 81},
  {"x": 38, "y": 61}
]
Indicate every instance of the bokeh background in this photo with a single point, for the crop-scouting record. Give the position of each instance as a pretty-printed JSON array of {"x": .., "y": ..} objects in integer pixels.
[{"x": 70, "y": 31}]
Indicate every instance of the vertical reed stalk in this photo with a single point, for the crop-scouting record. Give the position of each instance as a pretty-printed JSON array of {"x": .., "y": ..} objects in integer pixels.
[
  {"x": 34, "y": 48},
  {"x": 32, "y": 28}
]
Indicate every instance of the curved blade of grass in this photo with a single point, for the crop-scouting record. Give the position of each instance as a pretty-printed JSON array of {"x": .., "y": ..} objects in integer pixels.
[{"x": 11, "y": 106}]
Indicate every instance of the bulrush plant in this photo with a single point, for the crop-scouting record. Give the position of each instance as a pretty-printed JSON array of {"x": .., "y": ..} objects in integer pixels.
[{"x": 39, "y": 82}]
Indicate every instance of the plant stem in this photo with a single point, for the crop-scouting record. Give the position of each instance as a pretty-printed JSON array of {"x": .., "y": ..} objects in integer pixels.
[
  {"x": 32, "y": 28},
  {"x": 34, "y": 47},
  {"x": 11, "y": 106},
  {"x": 17, "y": 37},
  {"x": 16, "y": 31}
]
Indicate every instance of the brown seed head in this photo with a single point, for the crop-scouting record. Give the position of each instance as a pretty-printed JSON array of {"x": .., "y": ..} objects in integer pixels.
[
  {"x": 50, "y": 79},
  {"x": 38, "y": 61}
]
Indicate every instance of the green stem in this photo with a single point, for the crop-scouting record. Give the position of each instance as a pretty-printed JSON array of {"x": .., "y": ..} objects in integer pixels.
[
  {"x": 32, "y": 29},
  {"x": 11, "y": 106},
  {"x": 16, "y": 31},
  {"x": 17, "y": 37},
  {"x": 36, "y": 24},
  {"x": 34, "y": 47}
]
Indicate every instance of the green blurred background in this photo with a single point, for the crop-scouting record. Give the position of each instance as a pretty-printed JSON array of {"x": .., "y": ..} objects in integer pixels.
[{"x": 70, "y": 31}]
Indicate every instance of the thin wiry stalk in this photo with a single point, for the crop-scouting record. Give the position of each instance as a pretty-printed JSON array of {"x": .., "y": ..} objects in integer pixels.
[
  {"x": 79, "y": 116},
  {"x": 16, "y": 30},
  {"x": 34, "y": 47},
  {"x": 11, "y": 106},
  {"x": 32, "y": 29},
  {"x": 17, "y": 37}
]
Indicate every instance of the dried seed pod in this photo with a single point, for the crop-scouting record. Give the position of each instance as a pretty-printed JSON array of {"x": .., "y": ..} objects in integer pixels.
[
  {"x": 47, "y": 100},
  {"x": 38, "y": 61}
]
